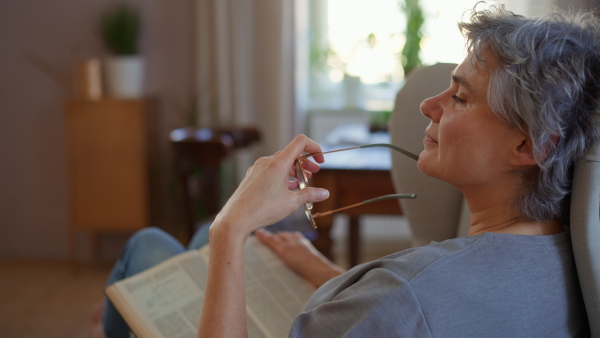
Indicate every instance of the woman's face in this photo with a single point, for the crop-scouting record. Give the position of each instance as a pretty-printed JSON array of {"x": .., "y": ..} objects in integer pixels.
[{"x": 465, "y": 144}]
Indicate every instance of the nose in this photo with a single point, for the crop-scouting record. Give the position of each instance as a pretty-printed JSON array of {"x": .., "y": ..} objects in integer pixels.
[{"x": 431, "y": 108}]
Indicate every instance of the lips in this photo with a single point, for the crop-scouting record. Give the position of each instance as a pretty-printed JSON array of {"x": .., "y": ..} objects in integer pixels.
[{"x": 429, "y": 139}]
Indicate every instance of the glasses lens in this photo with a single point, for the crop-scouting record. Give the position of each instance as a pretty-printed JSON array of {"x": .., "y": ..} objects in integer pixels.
[
  {"x": 303, "y": 184},
  {"x": 309, "y": 216},
  {"x": 302, "y": 180}
]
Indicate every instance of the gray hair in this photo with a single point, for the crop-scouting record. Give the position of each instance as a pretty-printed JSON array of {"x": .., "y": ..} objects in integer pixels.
[{"x": 547, "y": 85}]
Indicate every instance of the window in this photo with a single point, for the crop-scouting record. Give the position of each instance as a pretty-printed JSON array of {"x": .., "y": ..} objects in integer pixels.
[
  {"x": 354, "y": 51},
  {"x": 355, "y": 48}
]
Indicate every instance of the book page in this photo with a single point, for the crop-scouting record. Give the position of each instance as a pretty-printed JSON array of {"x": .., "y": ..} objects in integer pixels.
[
  {"x": 275, "y": 294},
  {"x": 167, "y": 298}
]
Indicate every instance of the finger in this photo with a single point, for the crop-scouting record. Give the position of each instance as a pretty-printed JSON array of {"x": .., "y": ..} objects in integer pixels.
[
  {"x": 308, "y": 174},
  {"x": 262, "y": 234},
  {"x": 290, "y": 236},
  {"x": 292, "y": 171},
  {"x": 307, "y": 165},
  {"x": 301, "y": 144},
  {"x": 292, "y": 181},
  {"x": 267, "y": 238},
  {"x": 311, "y": 195},
  {"x": 310, "y": 165}
]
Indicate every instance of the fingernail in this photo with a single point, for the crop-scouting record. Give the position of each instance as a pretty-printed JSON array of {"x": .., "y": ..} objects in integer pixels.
[{"x": 322, "y": 194}]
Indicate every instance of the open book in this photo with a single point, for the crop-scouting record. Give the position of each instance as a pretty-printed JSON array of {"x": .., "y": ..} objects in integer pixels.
[{"x": 166, "y": 300}]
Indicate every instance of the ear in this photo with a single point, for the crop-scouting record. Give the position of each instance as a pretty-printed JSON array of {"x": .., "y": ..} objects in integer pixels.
[{"x": 523, "y": 152}]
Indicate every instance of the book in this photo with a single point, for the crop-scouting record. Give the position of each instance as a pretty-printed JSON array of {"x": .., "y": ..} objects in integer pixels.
[{"x": 166, "y": 300}]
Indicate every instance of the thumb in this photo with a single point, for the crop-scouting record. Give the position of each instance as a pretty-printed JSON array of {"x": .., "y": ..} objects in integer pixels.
[{"x": 311, "y": 195}]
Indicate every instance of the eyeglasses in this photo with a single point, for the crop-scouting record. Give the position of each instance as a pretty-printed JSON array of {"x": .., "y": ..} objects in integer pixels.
[{"x": 303, "y": 181}]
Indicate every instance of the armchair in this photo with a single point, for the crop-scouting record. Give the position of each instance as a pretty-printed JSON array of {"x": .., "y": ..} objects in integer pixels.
[{"x": 585, "y": 232}]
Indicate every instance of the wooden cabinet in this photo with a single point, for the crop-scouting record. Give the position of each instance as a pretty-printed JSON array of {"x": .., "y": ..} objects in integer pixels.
[{"x": 107, "y": 167}]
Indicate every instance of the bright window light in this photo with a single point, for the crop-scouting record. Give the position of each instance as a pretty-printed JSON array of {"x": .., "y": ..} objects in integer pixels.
[
  {"x": 366, "y": 39},
  {"x": 356, "y": 48},
  {"x": 442, "y": 41}
]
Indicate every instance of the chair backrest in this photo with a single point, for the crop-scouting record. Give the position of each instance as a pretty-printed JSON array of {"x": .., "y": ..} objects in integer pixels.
[
  {"x": 585, "y": 231},
  {"x": 407, "y": 126}
]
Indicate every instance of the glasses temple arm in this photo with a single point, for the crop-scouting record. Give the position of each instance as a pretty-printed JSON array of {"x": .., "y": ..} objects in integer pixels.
[
  {"x": 376, "y": 199},
  {"x": 390, "y": 196},
  {"x": 327, "y": 152},
  {"x": 391, "y": 146},
  {"x": 374, "y": 145}
]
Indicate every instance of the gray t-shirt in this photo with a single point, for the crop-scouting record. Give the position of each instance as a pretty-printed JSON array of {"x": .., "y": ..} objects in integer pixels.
[{"x": 490, "y": 285}]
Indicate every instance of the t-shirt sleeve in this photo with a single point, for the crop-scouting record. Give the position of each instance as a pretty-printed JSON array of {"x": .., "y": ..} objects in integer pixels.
[{"x": 367, "y": 303}]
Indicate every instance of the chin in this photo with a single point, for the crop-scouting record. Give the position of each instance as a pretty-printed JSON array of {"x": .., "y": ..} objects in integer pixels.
[{"x": 424, "y": 165}]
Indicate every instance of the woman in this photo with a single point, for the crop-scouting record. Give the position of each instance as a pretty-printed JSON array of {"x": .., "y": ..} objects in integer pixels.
[{"x": 519, "y": 111}]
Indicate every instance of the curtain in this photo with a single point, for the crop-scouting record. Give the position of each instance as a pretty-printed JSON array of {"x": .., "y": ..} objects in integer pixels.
[{"x": 245, "y": 72}]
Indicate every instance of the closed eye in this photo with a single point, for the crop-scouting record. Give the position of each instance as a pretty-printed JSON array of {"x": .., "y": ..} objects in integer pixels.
[{"x": 457, "y": 99}]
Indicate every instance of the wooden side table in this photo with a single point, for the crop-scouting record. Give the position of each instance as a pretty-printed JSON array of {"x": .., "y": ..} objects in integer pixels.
[
  {"x": 107, "y": 168},
  {"x": 349, "y": 186},
  {"x": 352, "y": 177}
]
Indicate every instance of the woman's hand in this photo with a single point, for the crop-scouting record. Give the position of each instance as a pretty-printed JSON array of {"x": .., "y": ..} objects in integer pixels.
[
  {"x": 266, "y": 195},
  {"x": 299, "y": 254}
]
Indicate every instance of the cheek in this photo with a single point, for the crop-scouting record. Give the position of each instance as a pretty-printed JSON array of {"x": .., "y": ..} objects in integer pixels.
[
  {"x": 456, "y": 139},
  {"x": 460, "y": 149}
]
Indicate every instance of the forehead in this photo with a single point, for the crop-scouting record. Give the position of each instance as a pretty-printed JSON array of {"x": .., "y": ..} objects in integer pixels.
[{"x": 473, "y": 73}]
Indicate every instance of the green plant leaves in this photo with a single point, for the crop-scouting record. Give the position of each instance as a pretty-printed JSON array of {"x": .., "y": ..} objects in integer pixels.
[{"x": 120, "y": 30}]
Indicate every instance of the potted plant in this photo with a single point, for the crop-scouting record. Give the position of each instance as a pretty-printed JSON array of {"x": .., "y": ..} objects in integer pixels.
[{"x": 125, "y": 67}]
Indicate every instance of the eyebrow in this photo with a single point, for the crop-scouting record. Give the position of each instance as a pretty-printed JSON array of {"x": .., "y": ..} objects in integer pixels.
[{"x": 463, "y": 82}]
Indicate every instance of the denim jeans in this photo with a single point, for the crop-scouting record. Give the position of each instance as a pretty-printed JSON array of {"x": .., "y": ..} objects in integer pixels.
[{"x": 145, "y": 249}]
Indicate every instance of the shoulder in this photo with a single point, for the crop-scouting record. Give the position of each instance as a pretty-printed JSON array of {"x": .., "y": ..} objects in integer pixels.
[
  {"x": 360, "y": 301},
  {"x": 423, "y": 290},
  {"x": 402, "y": 266},
  {"x": 393, "y": 274},
  {"x": 410, "y": 263}
]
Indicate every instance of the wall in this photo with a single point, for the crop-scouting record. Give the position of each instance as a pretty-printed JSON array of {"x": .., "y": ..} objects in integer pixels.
[{"x": 33, "y": 189}]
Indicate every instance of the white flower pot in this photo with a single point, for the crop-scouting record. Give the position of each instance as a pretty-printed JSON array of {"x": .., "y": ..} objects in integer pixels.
[{"x": 125, "y": 77}]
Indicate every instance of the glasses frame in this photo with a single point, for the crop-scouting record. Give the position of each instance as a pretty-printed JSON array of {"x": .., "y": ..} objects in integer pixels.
[{"x": 303, "y": 181}]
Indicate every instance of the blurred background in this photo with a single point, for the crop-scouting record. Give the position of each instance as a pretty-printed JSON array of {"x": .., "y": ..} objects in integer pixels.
[
  {"x": 281, "y": 67},
  {"x": 271, "y": 64}
]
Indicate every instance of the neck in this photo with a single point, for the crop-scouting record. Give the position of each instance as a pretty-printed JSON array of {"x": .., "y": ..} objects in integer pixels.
[
  {"x": 495, "y": 213},
  {"x": 517, "y": 227}
]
